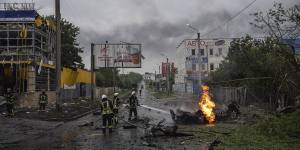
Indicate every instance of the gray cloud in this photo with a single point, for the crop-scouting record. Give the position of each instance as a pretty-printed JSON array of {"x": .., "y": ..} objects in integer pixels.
[{"x": 159, "y": 25}]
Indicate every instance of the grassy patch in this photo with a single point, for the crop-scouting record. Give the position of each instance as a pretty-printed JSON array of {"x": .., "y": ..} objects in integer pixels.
[
  {"x": 270, "y": 132},
  {"x": 275, "y": 132}
]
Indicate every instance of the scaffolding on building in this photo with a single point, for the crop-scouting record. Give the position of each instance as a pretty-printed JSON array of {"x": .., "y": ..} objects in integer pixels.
[{"x": 27, "y": 45}]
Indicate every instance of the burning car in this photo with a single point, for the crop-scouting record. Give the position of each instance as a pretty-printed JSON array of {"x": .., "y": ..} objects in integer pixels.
[{"x": 208, "y": 111}]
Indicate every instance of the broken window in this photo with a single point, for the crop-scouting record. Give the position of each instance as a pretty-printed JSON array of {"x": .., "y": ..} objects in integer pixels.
[{"x": 212, "y": 67}]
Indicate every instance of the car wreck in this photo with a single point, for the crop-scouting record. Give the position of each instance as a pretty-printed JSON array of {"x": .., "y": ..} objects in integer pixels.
[{"x": 226, "y": 112}]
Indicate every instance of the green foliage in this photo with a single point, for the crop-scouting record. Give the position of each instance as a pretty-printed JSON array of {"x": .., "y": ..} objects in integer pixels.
[
  {"x": 269, "y": 133},
  {"x": 128, "y": 81},
  {"x": 104, "y": 78},
  {"x": 70, "y": 48},
  {"x": 249, "y": 58}
]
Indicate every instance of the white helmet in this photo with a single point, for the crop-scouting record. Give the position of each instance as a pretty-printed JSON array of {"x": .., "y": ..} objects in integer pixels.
[
  {"x": 116, "y": 94},
  {"x": 104, "y": 96},
  {"x": 133, "y": 92}
]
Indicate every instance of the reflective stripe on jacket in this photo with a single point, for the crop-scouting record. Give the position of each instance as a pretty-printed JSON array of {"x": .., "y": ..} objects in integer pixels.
[
  {"x": 10, "y": 98},
  {"x": 106, "y": 108},
  {"x": 43, "y": 98},
  {"x": 116, "y": 103}
]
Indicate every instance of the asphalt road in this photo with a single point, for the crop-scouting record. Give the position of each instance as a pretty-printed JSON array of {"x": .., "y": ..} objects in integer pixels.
[{"x": 17, "y": 133}]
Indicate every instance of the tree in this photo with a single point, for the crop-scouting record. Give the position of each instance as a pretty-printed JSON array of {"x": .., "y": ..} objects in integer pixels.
[
  {"x": 262, "y": 60},
  {"x": 104, "y": 77},
  {"x": 281, "y": 23},
  {"x": 130, "y": 80},
  {"x": 70, "y": 48}
]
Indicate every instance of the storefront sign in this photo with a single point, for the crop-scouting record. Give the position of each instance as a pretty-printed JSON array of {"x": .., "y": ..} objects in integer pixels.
[{"x": 17, "y": 6}]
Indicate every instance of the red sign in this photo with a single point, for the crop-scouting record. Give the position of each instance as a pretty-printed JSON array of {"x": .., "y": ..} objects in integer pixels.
[
  {"x": 164, "y": 69},
  {"x": 167, "y": 66}
]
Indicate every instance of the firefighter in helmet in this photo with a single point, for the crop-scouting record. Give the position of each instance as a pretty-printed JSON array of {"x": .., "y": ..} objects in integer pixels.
[
  {"x": 106, "y": 108},
  {"x": 116, "y": 103},
  {"x": 133, "y": 103},
  {"x": 10, "y": 101},
  {"x": 43, "y": 100}
]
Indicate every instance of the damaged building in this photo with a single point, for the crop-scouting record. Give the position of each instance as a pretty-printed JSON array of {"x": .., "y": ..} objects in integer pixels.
[{"x": 27, "y": 58}]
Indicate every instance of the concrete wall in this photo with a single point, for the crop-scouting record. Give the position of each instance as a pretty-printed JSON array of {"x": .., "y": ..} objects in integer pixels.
[{"x": 30, "y": 100}]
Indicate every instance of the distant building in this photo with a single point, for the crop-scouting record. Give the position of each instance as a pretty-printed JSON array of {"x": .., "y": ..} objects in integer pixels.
[
  {"x": 148, "y": 76},
  {"x": 211, "y": 54}
]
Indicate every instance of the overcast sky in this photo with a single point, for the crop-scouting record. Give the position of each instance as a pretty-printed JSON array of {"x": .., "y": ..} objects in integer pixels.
[{"x": 160, "y": 25}]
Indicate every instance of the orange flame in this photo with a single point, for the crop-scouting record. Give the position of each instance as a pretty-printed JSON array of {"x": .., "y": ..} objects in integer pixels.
[{"x": 207, "y": 105}]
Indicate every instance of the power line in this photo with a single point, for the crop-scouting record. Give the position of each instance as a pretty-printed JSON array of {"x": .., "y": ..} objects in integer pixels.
[{"x": 221, "y": 25}]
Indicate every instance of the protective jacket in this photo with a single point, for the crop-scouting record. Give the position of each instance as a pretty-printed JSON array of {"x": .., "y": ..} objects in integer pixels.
[
  {"x": 43, "y": 99},
  {"x": 106, "y": 107},
  {"x": 10, "y": 98},
  {"x": 133, "y": 101},
  {"x": 116, "y": 102}
]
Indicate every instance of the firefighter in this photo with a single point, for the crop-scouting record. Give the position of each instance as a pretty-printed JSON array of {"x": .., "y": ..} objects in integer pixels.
[
  {"x": 133, "y": 103},
  {"x": 233, "y": 107},
  {"x": 43, "y": 100},
  {"x": 10, "y": 100},
  {"x": 106, "y": 108},
  {"x": 116, "y": 102}
]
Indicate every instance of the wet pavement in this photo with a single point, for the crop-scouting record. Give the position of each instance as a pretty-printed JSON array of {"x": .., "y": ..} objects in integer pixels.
[{"x": 25, "y": 134}]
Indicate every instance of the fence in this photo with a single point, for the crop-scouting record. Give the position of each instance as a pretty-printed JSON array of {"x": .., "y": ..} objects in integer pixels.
[{"x": 226, "y": 95}]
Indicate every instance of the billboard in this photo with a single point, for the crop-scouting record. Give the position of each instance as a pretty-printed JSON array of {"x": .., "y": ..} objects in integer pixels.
[{"x": 117, "y": 55}]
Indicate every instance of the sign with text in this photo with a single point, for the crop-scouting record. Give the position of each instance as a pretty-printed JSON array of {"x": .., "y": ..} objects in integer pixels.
[
  {"x": 193, "y": 44},
  {"x": 17, "y": 6},
  {"x": 117, "y": 56}
]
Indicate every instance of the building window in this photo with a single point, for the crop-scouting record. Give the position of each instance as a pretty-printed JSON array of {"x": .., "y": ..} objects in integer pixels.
[
  {"x": 220, "y": 51},
  {"x": 212, "y": 67},
  {"x": 193, "y": 52},
  {"x": 203, "y": 67},
  {"x": 211, "y": 51},
  {"x": 202, "y": 52},
  {"x": 194, "y": 67}
]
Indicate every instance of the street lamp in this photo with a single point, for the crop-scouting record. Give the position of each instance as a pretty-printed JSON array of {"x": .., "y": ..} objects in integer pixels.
[{"x": 199, "y": 59}]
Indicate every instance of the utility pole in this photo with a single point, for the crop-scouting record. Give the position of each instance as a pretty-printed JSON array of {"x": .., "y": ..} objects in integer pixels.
[
  {"x": 168, "y": 77},
  {"x": 92, "y": 71},
  {"x": 198, "y": 38},
  {"x": 159, "y": 84},
  {"x": 58, "y": 53}
]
